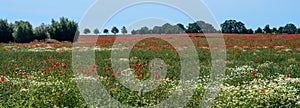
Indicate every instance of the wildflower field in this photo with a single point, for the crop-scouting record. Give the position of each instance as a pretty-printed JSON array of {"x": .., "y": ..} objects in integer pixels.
[{"x": 262, "y": 70}]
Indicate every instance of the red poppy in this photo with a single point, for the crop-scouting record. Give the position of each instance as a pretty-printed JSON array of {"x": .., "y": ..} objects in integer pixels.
[
  {"x": 15, "y": 65},
  {"x": 21, "y": 73},
  {"x": 60, "y": 72},
  {"x": 154, "y": 73},
  {"x": 0, "y": 73},
  {"x": 135, "y": 67},
  {"x": 47, "y": 69},
  {"x": 83, "y": 69},
  {"x": 138, "y": 75},
  {"x": 93, "y": 69},
  {"x": 113, "y": 75},
  {"x": 287, "y": 75},
  {"x": 63, "y": 65},
  {"x": 2, "y": 79},
  {"x": 107, "y": 68},
  {"x": 87, "y": 73},
  {"x": 158, "y": 76},
  {"x": 141, "y": 65},
  {"x": 94, "y": 66},
  {"x": 54, "y": 63},
  {"x": 141, "y": 72},
  {"x": 254, "y": 73}
]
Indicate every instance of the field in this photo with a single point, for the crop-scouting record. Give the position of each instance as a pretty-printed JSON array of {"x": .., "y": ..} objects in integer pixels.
[{"x": 262, "y": 70}]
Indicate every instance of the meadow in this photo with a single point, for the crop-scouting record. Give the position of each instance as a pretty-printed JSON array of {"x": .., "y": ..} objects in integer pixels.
[{"x": 262, "y": 70}]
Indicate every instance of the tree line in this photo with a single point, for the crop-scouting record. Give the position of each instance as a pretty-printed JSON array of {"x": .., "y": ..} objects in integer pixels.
[
  {"x": 65, "y": 30},
  {"x": 23, "y": 32},
  {"x": 228, "y": 26}
]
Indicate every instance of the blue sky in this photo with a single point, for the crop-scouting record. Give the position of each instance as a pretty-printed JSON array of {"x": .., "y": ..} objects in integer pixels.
[{"x": 254, "y": 13}]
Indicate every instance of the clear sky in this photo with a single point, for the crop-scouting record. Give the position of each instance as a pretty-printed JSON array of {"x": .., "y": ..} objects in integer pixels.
[{"x": 254, "y": 13}]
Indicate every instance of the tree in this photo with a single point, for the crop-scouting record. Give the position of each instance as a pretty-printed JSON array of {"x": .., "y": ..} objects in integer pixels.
[
  {"x": 41, "y": 32},
  {"x": 144, "y": 30},
  {"x": 280, "y": 30},
  {"x": 105, "y": 31},
  {"x": 86, "y": 31},
  {"x": 96, "y": 31},
  {"x": 181, "y": 26},
  {"x": 274, "y": 30},
  {"x": 267, "y": 29},
  {"x": 298, "y": 30},
  {"x": 258, "y": 30},
  {"x": 114, "y": 30},
  {"x": 63, "y": 30},
  {"x": 5, "y": 31},
  {"x": 232, "y": 26},
  {"x": 23, "y": 32},
  {"x": 124, "y": 30},
  {"x": 290, "y": 29},
  {"x": 250, "y": 31},
  {"x": 157, "y": 30}
]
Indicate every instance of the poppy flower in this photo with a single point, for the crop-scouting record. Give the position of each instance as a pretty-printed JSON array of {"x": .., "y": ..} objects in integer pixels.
[
  {"x": 138, "y": 75},
  {"x": 94, "y": 66},
  {"x": 15, "y": 65},
  {"x": 63, "y": 65},
  {"x": 47, "y": 69},
  {"x": 107, "y": 68},
  {"x": 287, "y": 75},
  {"x": 154, "y": 73},
  {"x": 113, "y": 75},
  {"x": 0, "y": 73},
  {"x": 83, "y": 69},
  {"x": 135, "y": 67},
  {"x": 158, "y": 76},
  {"x": 254, "y": 73},
  {"x": 2, "y": 79},
  {"x": 54, "y": 63},
  {"x": 141, "y": 65}
]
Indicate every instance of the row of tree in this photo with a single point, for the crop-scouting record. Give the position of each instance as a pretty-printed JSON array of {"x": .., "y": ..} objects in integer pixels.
[
  {"x": 229, "y": 26},
  {"x": 23, "y": 32},
  {"x": 233, "y": 26},
  {"x": 114, "y": 30},
  {"x": 196, "y": 27}
]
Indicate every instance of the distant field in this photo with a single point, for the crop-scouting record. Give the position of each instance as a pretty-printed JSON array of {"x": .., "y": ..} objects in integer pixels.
[{"x": 262, "y": 70}]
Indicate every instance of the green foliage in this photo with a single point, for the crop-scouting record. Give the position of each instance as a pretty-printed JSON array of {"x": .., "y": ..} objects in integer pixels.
[
  {"x": 267, "y": 29},
  {"x": 258, "y": 30},
  {"x": 200, "y": 27},
  {"x": 63, "y": 30},
  {"x": 5, "y": 31},
  {"x": 290, "y": 29},
  {"x": 233, "y": 26},
  {"x": 23, "y": 32},
  {"x": 41, "y": 32}
]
